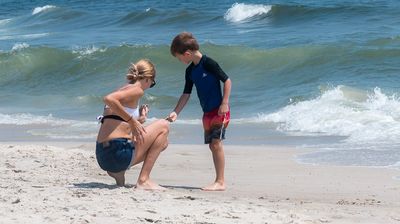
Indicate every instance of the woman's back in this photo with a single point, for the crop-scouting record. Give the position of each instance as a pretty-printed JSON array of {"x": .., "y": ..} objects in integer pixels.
[{"x": 114, "y": 126}]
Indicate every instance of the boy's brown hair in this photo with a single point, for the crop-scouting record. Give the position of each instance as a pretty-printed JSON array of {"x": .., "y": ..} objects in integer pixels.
[{"x": 183, "y": 42}]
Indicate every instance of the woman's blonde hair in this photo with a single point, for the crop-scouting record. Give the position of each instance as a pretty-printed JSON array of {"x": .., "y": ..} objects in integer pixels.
[{"x": 143, "y": 68}]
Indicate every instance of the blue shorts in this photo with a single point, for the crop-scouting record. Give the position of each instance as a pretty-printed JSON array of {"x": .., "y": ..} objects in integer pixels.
[{"x": 115, "y": 155}]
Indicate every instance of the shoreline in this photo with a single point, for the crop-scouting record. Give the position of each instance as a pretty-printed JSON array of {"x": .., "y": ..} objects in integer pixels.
[
  {"x": 55, "y": 182},
  {"x": 179, "y": 134}
]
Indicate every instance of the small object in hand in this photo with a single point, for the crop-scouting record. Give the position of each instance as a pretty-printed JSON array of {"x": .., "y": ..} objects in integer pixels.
[
  {"x": 144, "y": 109},
  {"x": 169, "y": 119}
]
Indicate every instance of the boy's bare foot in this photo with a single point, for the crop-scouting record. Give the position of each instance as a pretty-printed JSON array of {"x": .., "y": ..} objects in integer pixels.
[
  {"x": 216, "y": 186},
  {"x": 150, "y": 185},
  {"x": 119, "y": 178}
]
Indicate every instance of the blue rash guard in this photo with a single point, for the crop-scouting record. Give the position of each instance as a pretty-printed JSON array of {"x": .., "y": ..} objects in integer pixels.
[{"x": 206, "y": 76}]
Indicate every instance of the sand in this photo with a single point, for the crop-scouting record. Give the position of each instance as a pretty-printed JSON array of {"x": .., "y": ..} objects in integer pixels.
[{"x": 56, "y": 182}]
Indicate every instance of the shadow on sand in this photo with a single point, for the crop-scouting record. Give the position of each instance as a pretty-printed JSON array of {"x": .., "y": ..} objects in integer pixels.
[
  {"x": 100, "y": 185},
  {"x": 181, "y": 187},
  {"x": 97, "y": 185}
]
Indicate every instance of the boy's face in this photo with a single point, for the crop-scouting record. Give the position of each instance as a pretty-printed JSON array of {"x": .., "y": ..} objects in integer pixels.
[{"x": 185, "y": 58}]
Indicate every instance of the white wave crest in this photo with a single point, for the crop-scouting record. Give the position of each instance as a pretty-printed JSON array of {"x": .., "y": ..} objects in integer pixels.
[
  {"x": 240, "y": 12},
  {"x": 343, "y": 111},
  {"x": 19, "y": 46},
  {"x": 88, "y": 50},
  {"x": 42, "y": 9}
]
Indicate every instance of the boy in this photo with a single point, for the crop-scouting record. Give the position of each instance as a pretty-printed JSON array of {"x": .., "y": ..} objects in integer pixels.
[{"x": 206, "y": 75}]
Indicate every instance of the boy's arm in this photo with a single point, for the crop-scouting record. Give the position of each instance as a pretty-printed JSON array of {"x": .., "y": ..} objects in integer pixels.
[
  {"x": 224, "y": 107},
  {"x": 213, "y": 67},
  {"x": 179, "y": 107}
]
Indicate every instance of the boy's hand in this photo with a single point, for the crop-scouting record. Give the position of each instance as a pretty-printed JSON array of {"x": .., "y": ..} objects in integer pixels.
[
  {"x": 172, "y": 117},
  {"x": 223, "y": 109}
]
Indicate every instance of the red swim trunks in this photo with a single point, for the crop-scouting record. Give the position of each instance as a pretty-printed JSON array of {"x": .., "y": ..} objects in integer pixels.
[{"x": 212, "y": 124}]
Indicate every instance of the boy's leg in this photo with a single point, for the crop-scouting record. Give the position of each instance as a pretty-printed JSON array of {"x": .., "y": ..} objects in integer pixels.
[
  {"x": 214, "y": 131},
  {"x": 219, "y": 164}
]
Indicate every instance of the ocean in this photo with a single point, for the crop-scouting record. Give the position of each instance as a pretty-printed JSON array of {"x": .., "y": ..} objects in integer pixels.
[{"x": 307, "y": 73}]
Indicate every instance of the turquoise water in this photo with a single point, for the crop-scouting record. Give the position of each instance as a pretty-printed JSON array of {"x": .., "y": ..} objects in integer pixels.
[{"x": 318, "y": 74}]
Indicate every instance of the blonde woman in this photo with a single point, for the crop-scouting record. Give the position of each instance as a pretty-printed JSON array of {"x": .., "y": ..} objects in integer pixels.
[{"x": 122, "y": 141}]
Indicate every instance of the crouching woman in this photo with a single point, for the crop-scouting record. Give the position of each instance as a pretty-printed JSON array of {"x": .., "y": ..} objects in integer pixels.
[{"x": 122, "y": 140}]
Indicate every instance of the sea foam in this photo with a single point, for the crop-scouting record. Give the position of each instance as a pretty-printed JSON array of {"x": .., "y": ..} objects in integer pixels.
[
  {"x": 84, "y": 51},
  {"x": 19, "y": 46},
  {"x": 240, "y": 12},
  {"x": 30, "y": 119},
  {"x": 342, "y": 111},
  {"x": 52, "y": 127}
]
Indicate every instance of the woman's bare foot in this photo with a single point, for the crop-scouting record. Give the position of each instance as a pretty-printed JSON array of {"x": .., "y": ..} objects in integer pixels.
[
  {"x": 216, "y": 186},
  {"x": 149, "y": 185},
  {"x": 119, "y": 178}
]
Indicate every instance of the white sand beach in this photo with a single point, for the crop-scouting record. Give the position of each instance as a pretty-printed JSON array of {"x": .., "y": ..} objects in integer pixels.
[{"x": 54, "y": 182}]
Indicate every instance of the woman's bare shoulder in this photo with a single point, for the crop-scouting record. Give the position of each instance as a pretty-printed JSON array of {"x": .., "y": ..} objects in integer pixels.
[{"x": 132, "y": 89}]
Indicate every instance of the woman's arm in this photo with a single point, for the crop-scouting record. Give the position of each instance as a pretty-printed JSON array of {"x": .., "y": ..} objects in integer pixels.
[{"x": 114, "y": 99}]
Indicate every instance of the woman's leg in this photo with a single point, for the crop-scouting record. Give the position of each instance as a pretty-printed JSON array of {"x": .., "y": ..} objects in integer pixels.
[
  {"x": 155, "y": 141},
  {"x": 119, "y": 177}
]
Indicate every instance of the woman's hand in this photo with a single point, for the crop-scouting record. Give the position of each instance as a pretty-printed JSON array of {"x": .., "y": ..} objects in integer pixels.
[
  {"x": 138, "y": 130},
  {"x": 144, "y": 110}
]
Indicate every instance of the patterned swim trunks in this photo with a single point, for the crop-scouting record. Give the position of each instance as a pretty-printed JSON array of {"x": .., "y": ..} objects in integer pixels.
[{"x": 212, "y": 124}]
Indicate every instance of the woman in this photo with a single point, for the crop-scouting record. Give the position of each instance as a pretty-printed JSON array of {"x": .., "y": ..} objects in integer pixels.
[{"x": 122, "y": 141}]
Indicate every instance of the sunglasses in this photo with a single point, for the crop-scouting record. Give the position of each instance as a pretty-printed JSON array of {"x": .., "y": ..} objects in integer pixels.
[{"x": 153, "y": 83}]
